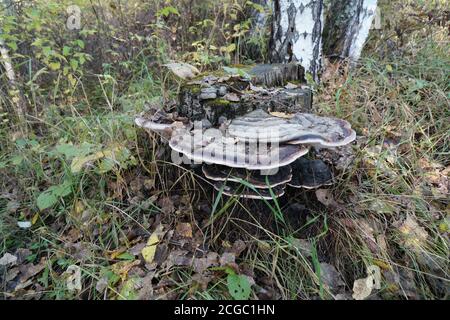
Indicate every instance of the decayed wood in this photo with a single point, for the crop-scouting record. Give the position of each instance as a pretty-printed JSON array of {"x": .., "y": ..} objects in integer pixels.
[
  {"x": 347, "y": 27},
  {"x": 297, "y": 34},
  {"x": 277, "y": 74},
  {"x": 216, "y": 98}
]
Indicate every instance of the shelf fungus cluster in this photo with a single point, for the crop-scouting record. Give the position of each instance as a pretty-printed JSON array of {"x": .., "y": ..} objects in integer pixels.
[{"x": 250, "y": 151}]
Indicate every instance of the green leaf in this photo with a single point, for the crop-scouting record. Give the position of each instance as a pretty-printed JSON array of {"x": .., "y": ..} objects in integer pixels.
[
  {"x": 166, "y": 11},
  {"x": 80, "y": 43},
  {"x": 125, "y": 256},
  {"x": 74, "y": 64},
  {"x": 128, "y": 291},
  {"x": 68, "y": 150},
  {"x": 63, "y": 189},
  {"x": 66, "y": 50},
  {"x": 106, "y": 165},
  {"x": 46, "y": 200},
  {"x": 54, "y": 66},
  {"x": 12, "y": 45},
  {"x": 238, "y": 286}
]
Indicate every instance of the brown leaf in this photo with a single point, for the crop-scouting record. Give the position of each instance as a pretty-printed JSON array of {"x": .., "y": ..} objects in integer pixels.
[
  {"x": 238, "y": 247},
  {"x": 8, "y": 259},
  {"x": 361, "y": 289},
  {"x": 30, "y": 270},
  {"x": 201, "y": 264},
  {"x": 414, "y": 236},
  {"x": 184, "y": 229},
  {"x": 178, "y": 258},
  {"x": 166, "y": 205},
  {"x": 330, "y": 277},
  {"x": 227, "y": 258},
  {"x": 325, "y": 197}
]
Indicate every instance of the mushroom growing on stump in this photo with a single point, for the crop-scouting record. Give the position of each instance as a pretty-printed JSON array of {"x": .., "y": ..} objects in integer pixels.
[
  {"x": 310, "y": 174},
  {"x": 251, "y": 139},
  {"x": 260, "y": 181},
  {"x": 232, "y": 153}
]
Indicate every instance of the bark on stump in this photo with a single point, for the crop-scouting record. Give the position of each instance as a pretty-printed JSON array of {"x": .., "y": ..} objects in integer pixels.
[{"x": 212, "y": 97}]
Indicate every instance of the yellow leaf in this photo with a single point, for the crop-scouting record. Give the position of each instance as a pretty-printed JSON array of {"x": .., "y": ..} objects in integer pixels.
[
  {"x": 35, "y": 218},
  {"x": 54, "y": 66},
  {"x": 123, "y": 267},
  {"x": 79, "y": 162},
  {"x": 148, "y": 252},
  {"x": 282, "y": 115}
]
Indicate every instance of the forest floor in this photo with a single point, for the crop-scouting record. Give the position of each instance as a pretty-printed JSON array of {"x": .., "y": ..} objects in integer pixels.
[{"x": 87, "y": 191}]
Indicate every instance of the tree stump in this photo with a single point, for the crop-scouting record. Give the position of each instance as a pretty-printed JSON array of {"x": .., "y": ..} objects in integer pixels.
[{"x": 214, "y": 96}]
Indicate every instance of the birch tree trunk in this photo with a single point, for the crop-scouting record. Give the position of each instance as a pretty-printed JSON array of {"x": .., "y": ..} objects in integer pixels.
[
  {"x": 297, "y": 34},
  {"x": 347, "y": 27}
]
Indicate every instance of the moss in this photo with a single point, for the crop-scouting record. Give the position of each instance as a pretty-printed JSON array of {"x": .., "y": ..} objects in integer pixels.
[{"x": 219, "y": 102}]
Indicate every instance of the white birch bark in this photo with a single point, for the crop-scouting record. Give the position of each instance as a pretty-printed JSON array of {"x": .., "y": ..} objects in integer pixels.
[
  {"x": 347, "y": 28},
  {"x": 297, "y": 34}
]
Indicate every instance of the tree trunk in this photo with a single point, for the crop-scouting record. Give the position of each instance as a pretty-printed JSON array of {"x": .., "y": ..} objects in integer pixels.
[
  {"x": 347, "y": 28},
  {"x": 297, "y": 34}
]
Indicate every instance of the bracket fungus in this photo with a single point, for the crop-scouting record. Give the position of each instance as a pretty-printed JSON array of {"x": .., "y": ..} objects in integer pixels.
[
  {"x": 238, "y": 189},
  {"x": 310, "y": 174},
  {"x": 301, "y": 128},
  {"x": 256, "y": 178},
  {"x": 262, "y": 143}
]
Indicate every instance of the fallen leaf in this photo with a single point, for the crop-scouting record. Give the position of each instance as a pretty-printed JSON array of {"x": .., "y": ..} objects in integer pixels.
[
  {"x": 123, "y": 267},
  {"x": 30, "y": 270},
  {"x": 282, "y": 114},
  {"x": 166, "y": 205},
  {"x": 102, "y": 284},
  {"x": 201, "y": 264},
  {"x": 325, "y": 197},
  {"x": 148, "y": 252},
  {"x": 179, "y": 258},
  {"x": 11, "y": 274},
  {"x": 184, "y": 229},
  {"x": 330, "y": 277},
  {"x": 183, "y": 70},
  {"x": 362, "y": 288},
  {"x": 238, "y": 247},
  {"x": 228, "y": 258},
  {"x": 8, "y": 259},
  {"x": 24, "y": 224},
  {"x": 413, "y": 235}
]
